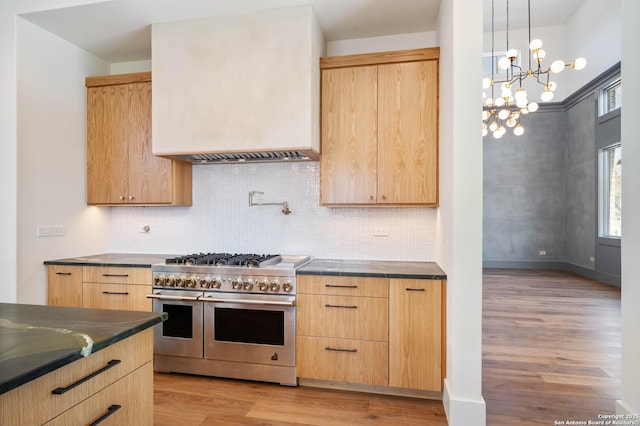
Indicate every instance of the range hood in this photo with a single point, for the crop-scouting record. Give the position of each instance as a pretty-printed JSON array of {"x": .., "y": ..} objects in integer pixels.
[
  {"x": 239, "y": 88},
  {"x": 247, "y": 157}
]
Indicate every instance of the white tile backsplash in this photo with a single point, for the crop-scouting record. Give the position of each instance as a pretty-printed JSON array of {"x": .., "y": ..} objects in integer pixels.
[{"x": 221, "y": 219}]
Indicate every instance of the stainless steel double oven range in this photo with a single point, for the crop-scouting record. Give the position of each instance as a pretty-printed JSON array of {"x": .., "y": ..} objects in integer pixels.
[{"x": 230, "y": 315}]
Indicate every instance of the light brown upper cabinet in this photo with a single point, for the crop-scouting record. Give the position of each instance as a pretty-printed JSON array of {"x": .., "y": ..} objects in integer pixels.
[
  {"x": 121, "y": 169},
  {"x": 379, "y": 128}
]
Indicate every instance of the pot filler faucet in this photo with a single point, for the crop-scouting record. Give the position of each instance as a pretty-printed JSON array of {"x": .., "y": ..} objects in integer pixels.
[{"x": 284, "y": 204}]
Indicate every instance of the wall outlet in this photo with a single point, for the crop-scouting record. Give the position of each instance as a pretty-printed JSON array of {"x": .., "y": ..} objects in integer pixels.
[
  {"x": 381, "y": 231},
  {"x": 592, "y": 259},
  {"x": 542, "y": 252},
  {"x": 58, "y": 231}
]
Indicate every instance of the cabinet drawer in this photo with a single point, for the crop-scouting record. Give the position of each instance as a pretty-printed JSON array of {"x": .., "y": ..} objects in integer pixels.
[
  {"x": 18, "y": 405},
  {"x": 129, "y": 401},
  {"x": 109, "y": 274},
  {"x": 64, "y": 285},
  {"x": 117, "y": 296},
  {"x": 342, "y": 360},
  {"x": 343, "y": 286},
  {"x": 343, "y": 317}
]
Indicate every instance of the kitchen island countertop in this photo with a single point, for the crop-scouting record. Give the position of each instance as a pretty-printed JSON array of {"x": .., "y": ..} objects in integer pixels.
[
  {"x": 130, "y": 260},
  {"x": 35, "y": 339},
  {"x": 373, "y": 268}
]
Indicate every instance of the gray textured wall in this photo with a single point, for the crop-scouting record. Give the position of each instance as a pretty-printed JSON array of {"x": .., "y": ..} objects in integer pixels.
[
  {"x": 540, "y": 189},
  {"x": 580, "y": 178},
  {"x": 524, "y": 192}
]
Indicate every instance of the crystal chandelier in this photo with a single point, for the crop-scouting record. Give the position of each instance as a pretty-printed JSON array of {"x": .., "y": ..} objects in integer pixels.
[{"x": 507, "y": 108}]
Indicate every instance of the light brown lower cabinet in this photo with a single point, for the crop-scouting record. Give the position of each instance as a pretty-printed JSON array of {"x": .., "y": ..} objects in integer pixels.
[
  {"x": 99, "y": 287},
  {"x": 343, "y": 360},
  {"x": 116, "y": 296},
  {"x": 415, "y": 342},
  {"x": 125, "y": 402},
  {"x": 64, "y": 285},
  {"x": 371, "y": 331},
  {"x": 128, "y": 383}
]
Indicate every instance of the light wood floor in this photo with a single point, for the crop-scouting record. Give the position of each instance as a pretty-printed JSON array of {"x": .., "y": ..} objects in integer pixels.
[
  {"x": 551, "y": 352},
  {"x": 551, "y": 347}
]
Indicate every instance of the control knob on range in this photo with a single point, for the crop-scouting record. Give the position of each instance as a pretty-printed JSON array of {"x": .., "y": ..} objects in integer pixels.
[
  {"x": 159, "y": 280},
  {"x": 205, "y": 282},
  {"x": 248, "y": 284},
  {"x": 236, "y": 284},
  {"x": 191, "y": 282},
  {"x": 170, "y": 281},
  {"x": 180, "y": 282},
  {"x": 263, "y": 285},
  {"x": 287, "y": 286},
  {"x": 216, "y": 283},
  {"x": 275, "y": 285}
]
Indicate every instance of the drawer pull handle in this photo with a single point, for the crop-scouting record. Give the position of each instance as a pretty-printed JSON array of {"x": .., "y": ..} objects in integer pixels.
[
  {"x": 341, "y": 306},
  {"x": 63, "y": 273},
  {"x": 414, "y": 289},
  {"x": 111, "y": 410},
  {"x": 116, "y": 275},
  {"x": 110, "y": 364},
  {"x": 340, "y": 286},
  {"x": 121, "y": 293},
  {"x": 328, "y": 348}
]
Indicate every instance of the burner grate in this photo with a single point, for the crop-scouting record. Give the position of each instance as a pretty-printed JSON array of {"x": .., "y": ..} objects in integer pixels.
[{"x": 225, "y": 259}]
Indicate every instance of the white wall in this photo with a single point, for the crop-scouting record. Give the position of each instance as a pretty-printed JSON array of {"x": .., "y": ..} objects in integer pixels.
[
  {"x": 8, "y": 159},
  {"x": 127, "y": 67},
  {"x": 9, "y": 9},
  {"x": 221, "y": 219},
  {"x": 630, "y": 400},
  {"x": 594, "y": 32},
  {"x": 459, "y": 248},
  {"x": 52, "y": 156},
  {"x": 381, "y": 44}
]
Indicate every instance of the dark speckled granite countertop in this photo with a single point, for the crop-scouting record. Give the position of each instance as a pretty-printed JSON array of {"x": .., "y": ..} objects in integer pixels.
[
  {"x": 131, "y": 260},
  {"x": 374, "y": 268},
  {"x": 35, "y": 339}
]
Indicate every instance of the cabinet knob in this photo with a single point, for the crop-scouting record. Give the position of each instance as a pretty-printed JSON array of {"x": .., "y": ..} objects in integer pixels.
[
  {"x": 121, "y": 197},
  {"x": 384, "y": 197},
  {"x": 371, "y": 197},
  {"x": 130, "y": 197}
]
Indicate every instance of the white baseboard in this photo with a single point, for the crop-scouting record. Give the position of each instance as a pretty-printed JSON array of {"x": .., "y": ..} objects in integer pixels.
[{"x": 463, "y": 412}]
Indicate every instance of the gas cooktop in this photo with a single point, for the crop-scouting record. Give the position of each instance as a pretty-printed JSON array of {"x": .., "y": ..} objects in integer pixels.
[
  {"x": 229, "y": 272},
  {"x": 226, "y": 259}
]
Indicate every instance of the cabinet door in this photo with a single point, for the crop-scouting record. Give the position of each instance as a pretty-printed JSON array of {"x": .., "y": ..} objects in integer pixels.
[
  {"x": 344, "y": 317},
  {"x": 349, "y": 136},
  {"x": 149, "y": 177},
  {"x": 64, "y": 285},
  {"x": 342, "y": 360},
  {"x": 117, "y": 296},
  {"x": 107, "y": 152},
  {"x": 129, "y": 401},
  {"x": 415, "y": 345},
  {"x": 34, "y": 403},
  {"x": 408, "y": 133}
]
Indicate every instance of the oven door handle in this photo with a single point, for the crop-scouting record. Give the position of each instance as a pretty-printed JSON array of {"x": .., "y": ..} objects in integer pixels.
[
  {"x": 173, "y": 298},
  {"x": 290, "y": 301}
]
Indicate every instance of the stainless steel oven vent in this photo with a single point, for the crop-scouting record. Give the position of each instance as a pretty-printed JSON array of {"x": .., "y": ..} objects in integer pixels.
[{"x": 249, "y": 157}]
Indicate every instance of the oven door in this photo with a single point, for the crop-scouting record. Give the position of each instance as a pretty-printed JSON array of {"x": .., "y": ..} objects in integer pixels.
[
  {"x": 251, "y": 328},
  {"x": 181, "y": 333}
]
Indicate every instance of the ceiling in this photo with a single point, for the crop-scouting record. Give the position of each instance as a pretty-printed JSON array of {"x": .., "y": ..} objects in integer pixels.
[{"x": 120, "y": 31}]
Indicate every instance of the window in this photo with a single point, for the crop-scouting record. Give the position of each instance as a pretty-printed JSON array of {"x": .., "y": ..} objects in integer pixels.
[
  {"x": 489, "y": 62},
  {"x": 610, "y": 192},
  {"x": 610, "y": 97}
]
